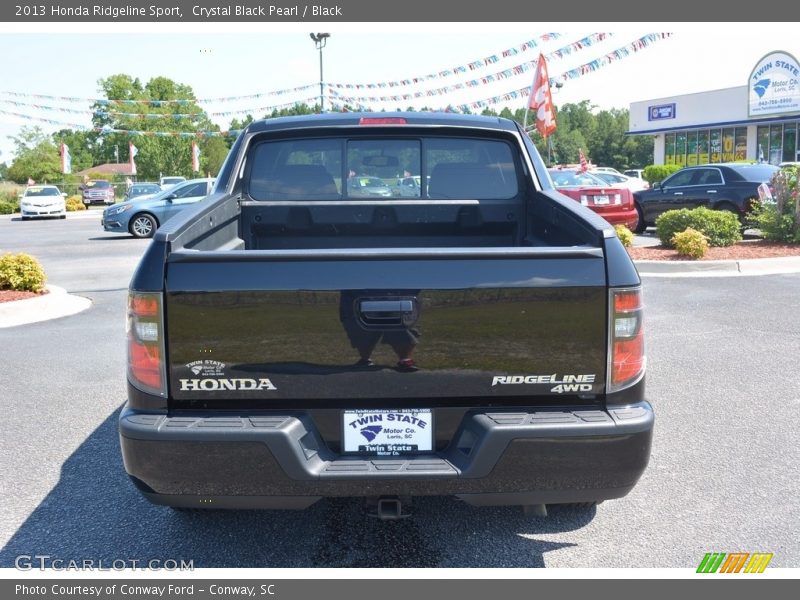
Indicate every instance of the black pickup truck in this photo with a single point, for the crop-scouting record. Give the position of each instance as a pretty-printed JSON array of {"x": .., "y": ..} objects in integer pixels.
[{"x": 289, "y": 341}]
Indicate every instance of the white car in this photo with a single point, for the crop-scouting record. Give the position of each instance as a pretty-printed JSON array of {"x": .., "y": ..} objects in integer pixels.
[
  {"x": 634, "y": 184},
  {"x": 42, "y": 201},
  {"x": 612, "y": 170},
  {"x": 634, "y": 173},
  {"x": 168, "y": 182}
]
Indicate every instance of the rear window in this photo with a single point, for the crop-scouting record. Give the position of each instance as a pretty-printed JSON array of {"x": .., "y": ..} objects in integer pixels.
[
  {"x": 341, "y": 169},
  {"x": 564, "y": 179},
  {"x": 756, "y": 172}
]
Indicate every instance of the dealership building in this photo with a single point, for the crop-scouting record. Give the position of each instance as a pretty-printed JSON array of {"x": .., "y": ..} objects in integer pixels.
[{"x": 758, "y": 121}]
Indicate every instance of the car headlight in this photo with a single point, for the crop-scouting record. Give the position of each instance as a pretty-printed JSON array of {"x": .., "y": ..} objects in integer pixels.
[{"x": 117, "y": 210}]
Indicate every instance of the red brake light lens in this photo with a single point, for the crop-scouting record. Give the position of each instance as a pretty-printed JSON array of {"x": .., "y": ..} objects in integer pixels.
[
  {"x": 627, "y": 360},
  {"x": 146, "y": 368},
  {"x": 382, "y": 121}
]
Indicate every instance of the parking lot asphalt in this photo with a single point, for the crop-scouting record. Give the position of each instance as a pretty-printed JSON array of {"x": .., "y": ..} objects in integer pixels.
[{"x": 722, "y": 378}]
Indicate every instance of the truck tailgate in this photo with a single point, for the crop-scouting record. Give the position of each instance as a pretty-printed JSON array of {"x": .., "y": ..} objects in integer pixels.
[{"x": 264, "y": 329}]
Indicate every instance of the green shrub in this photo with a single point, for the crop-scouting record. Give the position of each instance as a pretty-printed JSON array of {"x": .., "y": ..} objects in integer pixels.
[
  {"x": 656, "y": 173},
  {"x": 21, "y": 272},
  {"x": 625, "y": 235},
  {"x": 75, "y": 203},
  {"x": 779, "y": 221},
  {"x": 722, "y": 228},
  {"x": 690, "y": 242},
  {"x": 6, "y": 208}
]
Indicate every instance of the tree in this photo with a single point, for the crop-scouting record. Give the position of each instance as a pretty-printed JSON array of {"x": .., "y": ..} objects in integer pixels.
[
  {"x": 162, "y": 105},
  {"x": 36, "y": 157},
  {"x": 213, "y": 152}
]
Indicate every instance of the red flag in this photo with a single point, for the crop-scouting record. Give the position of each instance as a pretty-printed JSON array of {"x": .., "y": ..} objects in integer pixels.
[
  {"x": 541, "y": 101},
  {"x": 584, "y": 164}
]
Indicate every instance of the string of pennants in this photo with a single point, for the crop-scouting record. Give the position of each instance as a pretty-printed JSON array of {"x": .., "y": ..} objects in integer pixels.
[
  {"x": 157, "y": 103},
  {"x": 111, "y": 113},
  {"x": 566, "y": 50},
  {"x": 108, "y": 129},
  {"x": 474, "y": 65},
  {"x": 335, "y": 97},
  {"x": 579, "y": 71},
  {"x": 504, "y": 74}
]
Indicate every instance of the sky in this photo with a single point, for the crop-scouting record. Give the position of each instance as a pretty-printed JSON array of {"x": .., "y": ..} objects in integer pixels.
[{"x": 224, "y": 60}]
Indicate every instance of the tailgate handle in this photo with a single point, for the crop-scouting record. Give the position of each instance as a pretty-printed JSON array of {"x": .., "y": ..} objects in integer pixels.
[{"x": 382, "y": 313}]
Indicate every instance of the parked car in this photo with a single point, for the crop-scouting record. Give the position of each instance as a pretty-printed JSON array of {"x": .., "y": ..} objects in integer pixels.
[
  {"x": 721, "y": 186},
  {"x": 141, "y": 218},
  {"x": 634, "y": 184},
  {"x": 634, "y": 173},
  {"x": 408, "y": 187},
  {"x": 98, "y": 191},
  {"x": 605, "y": 170},
  {"x": 42, "y": 201},
  {"x": 169, "y": 181},
  {"x": 142, "y": 190},
  {"x": 612, "y": 202},
  {"x": 369, "y": 187}
]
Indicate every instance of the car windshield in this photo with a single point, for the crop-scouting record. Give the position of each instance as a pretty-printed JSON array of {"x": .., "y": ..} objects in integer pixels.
[
  {"x": 173, "y": 180},
  {"x": 756, "y": 172},
  {"x": 366, "y": 182},
  {"x": 564, "y": 179},
  {"x": 137, "y": 190},
  {"x": 98, "y": 184},
  {"x": 42, "y": 191}
]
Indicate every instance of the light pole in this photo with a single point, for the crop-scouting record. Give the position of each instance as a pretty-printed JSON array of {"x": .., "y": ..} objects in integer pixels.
[{"x": 320, "y": 40}]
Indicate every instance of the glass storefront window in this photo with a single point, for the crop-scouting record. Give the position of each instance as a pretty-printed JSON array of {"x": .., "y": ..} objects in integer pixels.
[
  {"x": 702, "y": 147},
  {"x": 691, "y": 149},
  {"x": 789, "y": 142},
  {"x": 669, "y": 155},
  {"x": 716, "y": 146},
  {"x": 680, "y": 148},
  {"x": 762, "y": 144},
  {"x": 727, "y": 145},
  {"x": 740, "y": 143},
  {"x": 775, "y": 144}
]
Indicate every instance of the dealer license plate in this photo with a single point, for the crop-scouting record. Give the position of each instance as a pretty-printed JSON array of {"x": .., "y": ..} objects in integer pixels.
[
  {"x": 601, "y": 199},
  {"x": 388, "y": 432}
]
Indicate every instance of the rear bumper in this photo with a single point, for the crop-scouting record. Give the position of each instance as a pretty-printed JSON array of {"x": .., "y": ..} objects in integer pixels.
[
  {"x": 271, "y": 460},
  {"x": 627, "y": 217}
]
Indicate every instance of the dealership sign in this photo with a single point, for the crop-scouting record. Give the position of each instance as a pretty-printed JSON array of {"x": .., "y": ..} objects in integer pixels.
[
  {"x": 774, "y": 86},
  {"x": 661, "y": 111}
]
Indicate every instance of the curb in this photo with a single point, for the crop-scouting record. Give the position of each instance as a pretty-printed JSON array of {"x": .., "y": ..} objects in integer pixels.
[
  {"x": 719, "y": 268},
  {"x": 58, "y": 303}
]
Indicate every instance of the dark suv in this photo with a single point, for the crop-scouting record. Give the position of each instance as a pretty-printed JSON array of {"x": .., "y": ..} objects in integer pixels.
[{"x": 97, "y": 191}]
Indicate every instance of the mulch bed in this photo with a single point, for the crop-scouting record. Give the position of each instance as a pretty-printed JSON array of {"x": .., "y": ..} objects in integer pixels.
[
  {"x": 11, "y": 295},
  {"x": 742, "y": 250}
]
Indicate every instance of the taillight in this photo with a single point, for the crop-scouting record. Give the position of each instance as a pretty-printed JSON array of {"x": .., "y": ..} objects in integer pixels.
[
  {"x": 626, "y": 356},
  {"x": 146, "y": 365}
]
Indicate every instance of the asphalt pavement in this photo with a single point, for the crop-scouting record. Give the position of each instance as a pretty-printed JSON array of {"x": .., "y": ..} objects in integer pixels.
[{"x": 722, "y": 376}]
